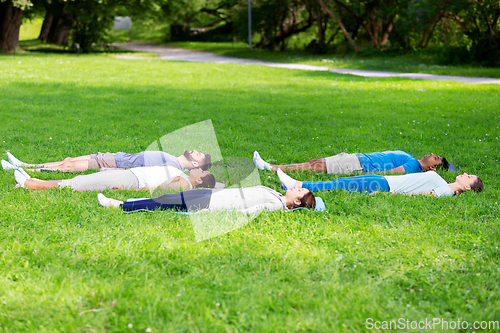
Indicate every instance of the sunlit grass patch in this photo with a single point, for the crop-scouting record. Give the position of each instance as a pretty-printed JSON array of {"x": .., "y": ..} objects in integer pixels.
[{"x": 68, "y": 264}]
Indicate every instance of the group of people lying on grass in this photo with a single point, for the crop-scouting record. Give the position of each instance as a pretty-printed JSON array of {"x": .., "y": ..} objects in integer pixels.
[{"x": 155, "y": 169}]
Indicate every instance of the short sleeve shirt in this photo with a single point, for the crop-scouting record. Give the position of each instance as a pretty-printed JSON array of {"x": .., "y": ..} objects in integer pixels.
[
  {"x": 419, "y": 183},
  {"x": 145, "y": 159},
  {"x": 387, "y": 160}
]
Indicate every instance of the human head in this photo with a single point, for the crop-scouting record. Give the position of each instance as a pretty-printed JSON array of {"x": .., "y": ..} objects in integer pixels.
[
  {"x": 300, "y": 197},
  {"x": 433, "y": 162},
  {"x": 202, "y": 179},
  {"x": 198, "y": 160},
  {"x": 469, "y": 183}
]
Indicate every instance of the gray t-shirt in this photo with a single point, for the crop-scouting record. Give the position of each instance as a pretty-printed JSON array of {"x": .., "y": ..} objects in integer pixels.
[
  {"x": 145, "y": 159},
  {"x": 419, "y": 182}
]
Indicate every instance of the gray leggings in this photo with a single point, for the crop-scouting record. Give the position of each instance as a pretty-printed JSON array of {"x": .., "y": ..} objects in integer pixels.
[{"x": 104, "y": 180}]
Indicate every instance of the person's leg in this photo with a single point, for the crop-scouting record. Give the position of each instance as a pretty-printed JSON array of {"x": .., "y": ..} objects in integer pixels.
[
  {"x": 364, "y": 183},
  {"x": 317, "y": 164},
  {"x": 79, "y": 163},
  {"x": 339, "y": 164},
  {"x": 108, "y": 202},
  {"x": 24, "y": 180},
  {"x": 37, "y": 184},
  {"x": 100, "y": 181},
  {"x": 193, "y": 200}
]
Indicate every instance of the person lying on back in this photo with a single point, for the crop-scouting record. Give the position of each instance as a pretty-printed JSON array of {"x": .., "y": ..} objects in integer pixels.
[
  {"x": 191, "y": 159},
  {"x": 387, "y": 161},
  {"x": 428, "y": 183}
]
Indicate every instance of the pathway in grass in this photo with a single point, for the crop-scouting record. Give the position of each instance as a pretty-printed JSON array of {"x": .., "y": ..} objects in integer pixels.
[{"x": 171, "y": 53}]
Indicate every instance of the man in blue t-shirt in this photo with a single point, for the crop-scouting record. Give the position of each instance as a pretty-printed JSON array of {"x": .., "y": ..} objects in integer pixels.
[
  {"x": 387, "y": 161},
  {"x": 191, "y": 159}
]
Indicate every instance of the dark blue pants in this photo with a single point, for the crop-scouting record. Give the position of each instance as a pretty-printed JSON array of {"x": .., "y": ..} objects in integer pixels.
[{"x": 188, "y": 201}]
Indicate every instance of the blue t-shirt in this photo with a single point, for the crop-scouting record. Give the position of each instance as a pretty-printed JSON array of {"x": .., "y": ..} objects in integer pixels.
[{"x": 387, "y": 160}]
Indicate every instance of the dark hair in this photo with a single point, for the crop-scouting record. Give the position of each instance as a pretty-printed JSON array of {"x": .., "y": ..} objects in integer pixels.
[
  {"x": 208, "y": 181},
  {"x": 207, "y": 162},
  {"x": 308, "y": 201},
  {"x": 443, "y": 165},
  {"x": 477, "y": 186}
]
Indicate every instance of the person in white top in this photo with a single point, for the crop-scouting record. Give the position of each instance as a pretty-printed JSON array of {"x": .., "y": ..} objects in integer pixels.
[
  {"x": 246, "y": 199},
  {"x": 428, "y": 183},
  {"x": 135, "y": 178}
]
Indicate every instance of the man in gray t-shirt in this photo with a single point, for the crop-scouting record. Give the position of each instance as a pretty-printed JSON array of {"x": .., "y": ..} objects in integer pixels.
[
  {"x": 145, "y": 159},
  {"x": 191, "y": 159}
]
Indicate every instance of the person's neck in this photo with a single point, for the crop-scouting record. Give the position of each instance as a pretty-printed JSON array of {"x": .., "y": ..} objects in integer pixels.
[
  {"x": 288, "y": 202},
  {"x": 456, "y": 188},
  {"x": 192, "y": 180},
  {"x": 423, "y": 165},
  {"x": 183, "y": 161}
]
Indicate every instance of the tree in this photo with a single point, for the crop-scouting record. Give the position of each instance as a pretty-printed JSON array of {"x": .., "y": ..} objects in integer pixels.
[
  {"x": 479, "y": 21},
  {"x": 11, "y": 16},
  {"x": 58, "y": 21},
  {"x": 340, "y": 24}
]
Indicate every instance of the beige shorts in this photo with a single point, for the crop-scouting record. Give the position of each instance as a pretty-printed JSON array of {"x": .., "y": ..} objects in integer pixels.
[
  {"x": 343, "y": 164},
  {"x": 100, "y": 160}
]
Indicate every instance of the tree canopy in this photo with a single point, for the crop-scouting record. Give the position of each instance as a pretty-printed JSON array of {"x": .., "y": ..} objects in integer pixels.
[{"x": 469, "y": 29}]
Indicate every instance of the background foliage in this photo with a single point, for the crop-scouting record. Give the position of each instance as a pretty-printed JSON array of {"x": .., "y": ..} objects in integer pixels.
[{"x": 460, "y": 31}]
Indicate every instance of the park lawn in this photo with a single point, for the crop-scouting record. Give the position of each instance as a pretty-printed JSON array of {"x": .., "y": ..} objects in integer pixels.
[
  {"x": 70, "y": 265},
  {"x": 421, "y": 62}
]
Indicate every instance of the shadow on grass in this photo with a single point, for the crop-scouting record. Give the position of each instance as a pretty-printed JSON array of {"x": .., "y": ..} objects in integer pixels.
[{"x": 36, "y": 45}]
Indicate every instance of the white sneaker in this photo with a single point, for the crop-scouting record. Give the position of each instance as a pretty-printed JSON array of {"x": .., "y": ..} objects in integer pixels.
[
  {"x": 260, "y": 163},
  {"x": 7, "y": 166},
  {"x": 14, "y": 160},
  {"x": 20, "y": 178},
  {"x": 287, "y": 181},
  {"x": 103, "y": 200},
  {"x": 24, "y": 173}
]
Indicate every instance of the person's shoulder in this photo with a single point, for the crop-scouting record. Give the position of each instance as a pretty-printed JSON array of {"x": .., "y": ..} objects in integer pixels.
[
  {"x": 395, "y": 152},
  {"x": 433, "y": 174}
]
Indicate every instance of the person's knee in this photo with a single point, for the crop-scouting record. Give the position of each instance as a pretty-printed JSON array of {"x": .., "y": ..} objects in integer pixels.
[
  {"x": 67, "y": 164},
  {"x": 318, "y": 164}
]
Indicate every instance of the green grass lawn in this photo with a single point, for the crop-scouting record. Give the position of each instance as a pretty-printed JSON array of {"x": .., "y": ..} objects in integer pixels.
[
  {"x": 70, "y": 265},
  {"x": 422, "y": 62}
]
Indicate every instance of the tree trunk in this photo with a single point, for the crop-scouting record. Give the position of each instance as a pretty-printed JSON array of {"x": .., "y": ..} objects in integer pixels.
[
  {"x": 59, "y": 30},
  {"x": 10, "y": 23},
  {"x": 388, "y": 29},
  {"x": 47, "y": 23},
  {"x": 321, "y": 31},
  {"x": 429, "y": 31},
  {"x": 346, "y": 34},
  {"x": 60, "y": 24}
]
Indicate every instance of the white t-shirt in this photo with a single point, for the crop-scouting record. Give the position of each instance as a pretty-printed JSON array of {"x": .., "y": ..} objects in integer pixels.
[
  {"x": 419, "y": 182},
  {"x": 155, "y": 176},
  {"x": 247, "y": 199}
]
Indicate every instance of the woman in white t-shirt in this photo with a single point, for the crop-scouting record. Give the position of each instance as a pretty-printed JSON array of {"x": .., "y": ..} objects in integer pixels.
[
  {"x": 135, "y": 178},
  {"x": 245, "y": 199},
  {"x": 426, "y": 183}
]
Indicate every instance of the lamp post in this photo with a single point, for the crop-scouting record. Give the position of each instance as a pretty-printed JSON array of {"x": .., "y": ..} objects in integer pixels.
[{"x": 250, "y": 25}]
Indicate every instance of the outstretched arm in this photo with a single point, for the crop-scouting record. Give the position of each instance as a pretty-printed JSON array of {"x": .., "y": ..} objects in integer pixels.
[
  {"x": 177, "y": 183},
  {"x": 400, "y": 169}
]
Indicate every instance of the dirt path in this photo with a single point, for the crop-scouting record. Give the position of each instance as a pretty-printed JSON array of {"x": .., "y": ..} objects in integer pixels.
[{"x": 172, "y": 53}]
